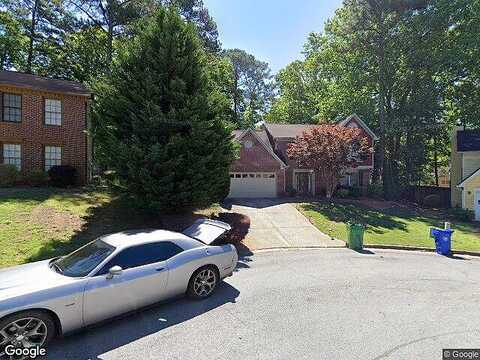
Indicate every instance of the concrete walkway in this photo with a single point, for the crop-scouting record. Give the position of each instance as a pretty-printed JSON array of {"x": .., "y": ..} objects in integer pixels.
[{"x": 278, "y": 224}]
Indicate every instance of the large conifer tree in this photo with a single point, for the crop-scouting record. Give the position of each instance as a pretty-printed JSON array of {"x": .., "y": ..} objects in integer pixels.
[{"x": 159, "y": 122}]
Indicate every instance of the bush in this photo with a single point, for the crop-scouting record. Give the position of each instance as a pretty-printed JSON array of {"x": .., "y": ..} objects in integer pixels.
[
  {"x": 432, "y": 201},
  {"x": 291, "y": 191},
  {"x": 375, "y": 191},
  {"x": 8, "y": 175},
  {"x": 62, "y": 175},
  {"x": 356, "y": 191},
  {"x": 342, "y": 193},
  {"x": 36, "y": 178},
  {"x": 461, "y": 214}
]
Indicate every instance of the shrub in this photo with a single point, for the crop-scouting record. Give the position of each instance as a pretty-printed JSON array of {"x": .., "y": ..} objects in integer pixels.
[
  {"x": 291, "y": 191},
  {"x": 342, "y": 193},
  {"x": 375, "y": 191},
  {"x": 461, "y": 214},
  {"x": 36, "y": 178},
  {"x": 432, "y": 201},
  {"x": 355, "y": 191},
  {"x": 62, "y": 175},
  {"x": 8, "y": 175}
]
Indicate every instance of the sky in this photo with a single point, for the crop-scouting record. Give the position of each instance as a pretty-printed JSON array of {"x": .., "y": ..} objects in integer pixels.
[{"x": 272, "y": 30}]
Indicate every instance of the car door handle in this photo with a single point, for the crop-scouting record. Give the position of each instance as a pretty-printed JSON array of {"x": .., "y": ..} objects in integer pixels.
[{"x": 160, "y": 269}]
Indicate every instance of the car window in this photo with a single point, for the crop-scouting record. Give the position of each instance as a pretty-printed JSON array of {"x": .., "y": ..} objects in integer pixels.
[
  {"x": 142, "y": 255},
  {"x": 82, "y": 261}
]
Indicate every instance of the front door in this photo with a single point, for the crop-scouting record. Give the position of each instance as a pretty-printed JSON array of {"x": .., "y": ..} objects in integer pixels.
[
  {"x": 477, "y": 204},
  {"x": 304, "y": 183}
]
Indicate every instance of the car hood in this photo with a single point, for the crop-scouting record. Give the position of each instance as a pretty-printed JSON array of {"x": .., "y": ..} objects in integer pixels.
[{"x": 22, "y": 279}]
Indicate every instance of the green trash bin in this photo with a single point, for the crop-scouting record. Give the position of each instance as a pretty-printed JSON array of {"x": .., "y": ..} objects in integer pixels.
[{"x": 355, "y": 236}]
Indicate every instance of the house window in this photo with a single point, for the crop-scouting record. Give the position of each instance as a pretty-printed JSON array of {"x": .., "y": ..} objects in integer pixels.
[
  {"x": 53, "y": 112},
  {"x": 53, "y": 156},
  {"x": 12, "y": 107},
  {"x": 12, "y": 154},
  {"x": 248, "y": 144}
]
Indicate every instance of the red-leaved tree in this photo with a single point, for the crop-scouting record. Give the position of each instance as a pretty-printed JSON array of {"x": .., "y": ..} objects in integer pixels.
[{"x": 329, "y": 150}]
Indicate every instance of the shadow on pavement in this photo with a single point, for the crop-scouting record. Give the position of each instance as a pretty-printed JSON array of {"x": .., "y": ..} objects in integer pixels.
[
  {"x": 364, "y": 252},
  {"x": 93, "y": 342},
  {"x": 261, "y": 203},
  {"x": 456, "y": 257}
]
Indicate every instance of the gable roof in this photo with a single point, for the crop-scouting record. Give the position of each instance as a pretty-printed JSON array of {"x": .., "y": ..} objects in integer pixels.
[
  {"x": 361, "y": 123},
  {"x": 262, "y": 138},
  {"x": 468, "y": 178},
  {"x": 34, "y": 82},
  {"x": 288, "y": 131},
  {"x": 291, "y": 131},
  {"x": 468, "y": 140}
]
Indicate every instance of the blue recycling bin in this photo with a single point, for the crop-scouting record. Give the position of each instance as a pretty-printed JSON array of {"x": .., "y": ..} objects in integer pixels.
[{"x": 443, "y": 241}]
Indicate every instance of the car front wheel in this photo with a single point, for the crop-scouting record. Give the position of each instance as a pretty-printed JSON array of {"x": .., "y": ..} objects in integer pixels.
[
  {"x": 203, "y": 282},
  {"x": 27, "y": 329}
]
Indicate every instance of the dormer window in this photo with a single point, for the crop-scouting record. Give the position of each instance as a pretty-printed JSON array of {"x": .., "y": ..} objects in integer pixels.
[{"x": 248, "y": 144}]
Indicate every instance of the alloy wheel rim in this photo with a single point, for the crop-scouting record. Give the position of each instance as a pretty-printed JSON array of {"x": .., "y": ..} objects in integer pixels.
[
  {"x": 204, "y": 282},
  {"x": 26, "y": 332}
]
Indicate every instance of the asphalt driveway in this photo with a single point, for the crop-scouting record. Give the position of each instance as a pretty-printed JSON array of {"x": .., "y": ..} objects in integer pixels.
[
  {"x": 309, "y": 304},
  {"x": 278, "y": 224}
]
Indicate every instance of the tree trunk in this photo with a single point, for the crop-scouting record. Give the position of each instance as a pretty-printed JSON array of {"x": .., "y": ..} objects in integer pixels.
[
  {"x": 236, "y": 98},
  {"x": 381, "y": 116},
  {"x": 33, "y": 25},
  {"x": 110, "y": 27},
  {"x": 435, "y": 160},
  {"x": 110, "y": 44}
]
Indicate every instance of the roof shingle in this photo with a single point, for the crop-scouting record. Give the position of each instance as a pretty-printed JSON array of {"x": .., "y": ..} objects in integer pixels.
[
  {"x": 468, "y": 140},
  {"x": 288, "y": 130},
  {"x": 29, "y": 81}
]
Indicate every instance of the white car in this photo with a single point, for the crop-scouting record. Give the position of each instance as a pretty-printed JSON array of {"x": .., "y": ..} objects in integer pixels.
[{"x": 109, "y": 276}]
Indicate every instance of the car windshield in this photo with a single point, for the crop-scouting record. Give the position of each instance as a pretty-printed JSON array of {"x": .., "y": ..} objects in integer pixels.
[{"x": 82, "y": 261}]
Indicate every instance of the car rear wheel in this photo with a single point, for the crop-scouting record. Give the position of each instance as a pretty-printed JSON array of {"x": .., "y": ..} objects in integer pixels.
[
  {"x": 203, "y": 282},
  {"x": 27, "y": 329}
]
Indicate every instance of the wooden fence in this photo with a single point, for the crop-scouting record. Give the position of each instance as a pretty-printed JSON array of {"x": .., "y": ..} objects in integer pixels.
[{"x": 417, "y": 194}]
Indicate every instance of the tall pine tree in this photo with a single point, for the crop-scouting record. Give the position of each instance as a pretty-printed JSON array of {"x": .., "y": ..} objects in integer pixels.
[{"x": 158, "y": 124}]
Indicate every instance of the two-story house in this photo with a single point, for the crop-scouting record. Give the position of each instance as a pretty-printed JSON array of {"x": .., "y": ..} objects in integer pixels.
[
  {"x": 43, "y": 123},
  {"x": 264, "y": 169},
  {"x": 465, "y": 170}
]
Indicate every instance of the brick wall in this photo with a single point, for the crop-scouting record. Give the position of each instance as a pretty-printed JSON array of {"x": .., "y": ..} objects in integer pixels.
[
  {"x": 33, "y": 134},
  {"x": 258, "y": 159}
]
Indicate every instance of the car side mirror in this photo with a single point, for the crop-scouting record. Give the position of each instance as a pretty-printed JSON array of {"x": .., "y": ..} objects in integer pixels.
[{"x": 114, "y": 271}]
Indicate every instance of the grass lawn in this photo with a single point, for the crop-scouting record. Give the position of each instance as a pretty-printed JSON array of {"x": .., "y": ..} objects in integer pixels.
[
  {"x": 393, "y": 225},
  {"x": 40, "y": 223}
]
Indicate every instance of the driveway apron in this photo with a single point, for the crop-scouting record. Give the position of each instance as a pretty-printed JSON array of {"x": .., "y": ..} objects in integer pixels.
[{"x": 278, "y": 224}]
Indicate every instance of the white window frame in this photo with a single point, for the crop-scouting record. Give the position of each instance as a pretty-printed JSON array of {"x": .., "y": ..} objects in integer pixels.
[
  {"x": 311, "y": 179},
  {"x": 53, "y": 156},
  {"x": 53, "y": 112},
  {"x": 12, "y": 154}
]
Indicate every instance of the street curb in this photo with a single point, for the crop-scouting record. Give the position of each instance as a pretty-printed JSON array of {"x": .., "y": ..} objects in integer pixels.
[
  {"x": 313, "y": 247},
  {"x": 380, "y": 247},
  {"x": 417, "y": 248}
]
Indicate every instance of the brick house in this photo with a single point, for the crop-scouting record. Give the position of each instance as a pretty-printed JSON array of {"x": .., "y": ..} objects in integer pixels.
[
  {"x": 264, "y": 169},
  {"x": 43, "y": 123}
]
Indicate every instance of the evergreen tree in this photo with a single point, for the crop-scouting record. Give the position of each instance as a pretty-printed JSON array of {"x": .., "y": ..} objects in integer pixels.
[{"x": 158, "y": 123}]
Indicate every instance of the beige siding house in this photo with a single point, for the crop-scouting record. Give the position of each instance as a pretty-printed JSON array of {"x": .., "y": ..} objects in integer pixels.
[{"x": 465, "y": 170}]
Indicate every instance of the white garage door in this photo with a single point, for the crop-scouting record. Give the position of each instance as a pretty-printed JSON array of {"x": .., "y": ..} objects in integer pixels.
[{"x": 252, "y": 185}]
